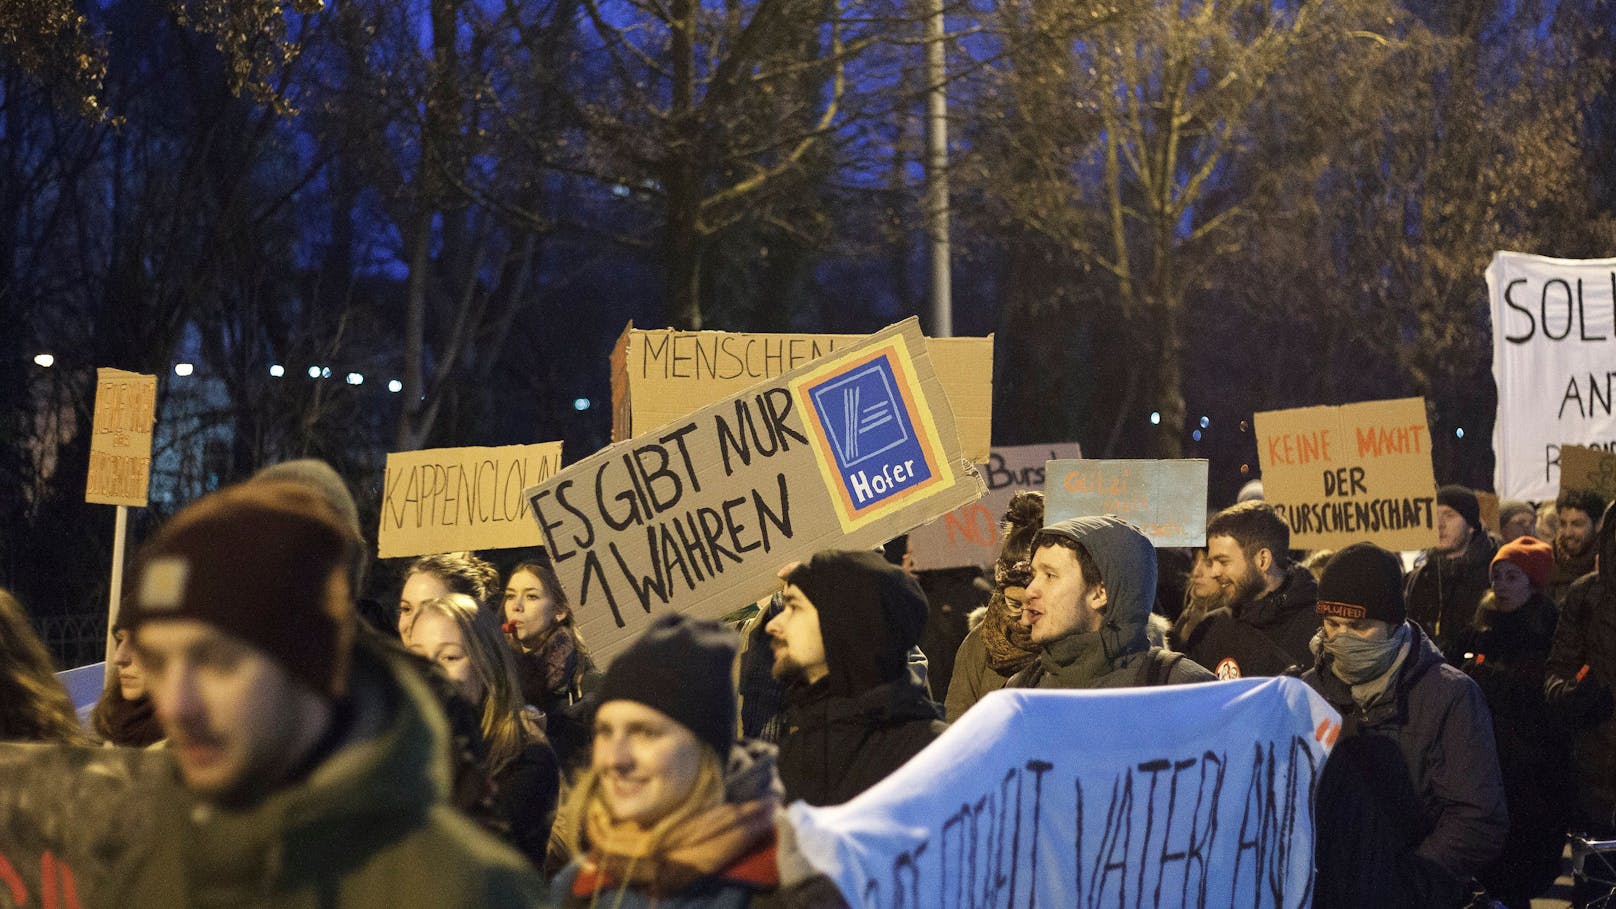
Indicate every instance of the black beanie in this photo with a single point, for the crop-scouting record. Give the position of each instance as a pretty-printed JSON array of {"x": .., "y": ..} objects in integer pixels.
[
  {"x": 870, "y": 614},
  {"x": 1463, "y": 501},
  {"x": 1363, "y": 581},
  {"x": 681, "y": 666}
]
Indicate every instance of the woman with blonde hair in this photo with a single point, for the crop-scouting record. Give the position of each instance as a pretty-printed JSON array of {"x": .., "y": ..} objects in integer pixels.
[
  {"x": 453, "y": 632},
  {"x": 671, "y": 812},
  {"x": 34, "y": 707}
]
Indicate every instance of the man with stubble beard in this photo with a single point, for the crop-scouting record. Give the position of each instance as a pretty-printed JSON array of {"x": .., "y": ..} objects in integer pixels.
[{"x": 854, "y": 711}]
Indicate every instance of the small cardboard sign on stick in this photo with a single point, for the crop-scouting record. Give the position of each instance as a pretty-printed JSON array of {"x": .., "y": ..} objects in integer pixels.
[
  {"x": 698, "y": 515},
  {"x": 446, "y": 499},
  {"x": 1343, "y": 475},
  {"x": 1588, "y": 469},
  {"x": 970, "y": 535},
  {"x": 121, "y": 438},
  {"x": 1164, "y": 499}
]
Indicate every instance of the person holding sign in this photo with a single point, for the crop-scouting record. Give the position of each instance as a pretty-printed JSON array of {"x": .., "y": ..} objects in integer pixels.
[
  {"x": 1410, "y": 804},
  {"x": 1088, "y": 605},
  {"x": 854, "y": 711},
  {"x": 1265, "y": 615},
  {"x": 312, "y": 761},
  {"x": 672, "y": 812},
  {"x": 1446, "y": 586}
]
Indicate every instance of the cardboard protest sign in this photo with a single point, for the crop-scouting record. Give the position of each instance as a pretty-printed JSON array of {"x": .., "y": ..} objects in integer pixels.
[
  {"x": 1343, "y": 475},
  {"x": 970, "y": 535},
  {"x": 121, "y": 438},
  {"x": 1065, "y": 798},
  {"x": 447, "y": 499},
  {"x": 1488, "y": 503},
  {"x": 1554, "y": 360},
  {"x": 1164, "y": 499},
  {"x": 1589, "y": 469},
  {"x": 662, "y": 375},
  {"x": 697, "y": 516}
]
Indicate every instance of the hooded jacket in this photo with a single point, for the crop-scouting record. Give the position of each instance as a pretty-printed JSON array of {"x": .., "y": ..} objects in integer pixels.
[
  {"x": 370, "y": 825},
  {"x": 1580, "y": 675},
  {"x": 1445, "y": 818},
  {"x": 869, "y": 714},
  {"x": 1263, "y": 637},
  {"x": 1110, "y": 657},
  {"x": 1442, "y": 592}
]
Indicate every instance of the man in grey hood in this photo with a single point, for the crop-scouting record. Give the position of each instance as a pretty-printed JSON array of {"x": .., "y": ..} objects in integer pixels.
[{"x": 1088, "y": 605}]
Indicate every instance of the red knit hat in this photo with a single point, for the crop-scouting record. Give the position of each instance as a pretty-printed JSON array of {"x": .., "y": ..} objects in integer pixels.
[
  {"x": 1530, "y": 555},
  {"x": 264, "y": 561}
]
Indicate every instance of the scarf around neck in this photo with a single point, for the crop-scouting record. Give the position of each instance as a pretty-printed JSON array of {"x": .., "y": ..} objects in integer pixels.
[
  {"x": 1008, "y": 643},
  {"x": 622, "y": 853}
]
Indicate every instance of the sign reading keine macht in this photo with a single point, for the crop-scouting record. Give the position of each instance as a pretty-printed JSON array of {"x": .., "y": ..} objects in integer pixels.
[
  {"x": 1073, "y": 798},
  {"x": 699, "y": 515},
  {"x": 1343, "y": 475},
  {"x": 1554, "y": 360},
  {"x": 448, "y": 499},
  {"x": 1166, "y": 500}
]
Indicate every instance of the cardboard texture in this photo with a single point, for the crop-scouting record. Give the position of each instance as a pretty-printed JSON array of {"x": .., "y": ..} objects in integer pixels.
[
  {"x": 448, "y": 499},
  {"x": 1488, "y": 502},
  {"x": 662, "y": 375},
  {"x": 698, "y": 516},
  {"x": 1165, "y": 499},
  {"x": 1554, "y": 333},
  {"x": 1588, "y": 468},
  {"x": 121, "y": 438},
  {"x": 970, "y": 535},
  {"x": 1343, "y": 475}
]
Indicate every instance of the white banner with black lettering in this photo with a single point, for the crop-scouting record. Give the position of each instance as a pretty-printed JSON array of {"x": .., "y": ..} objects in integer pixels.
[
  {"x": 1554, "y": 361},
  {"x": 1190, "y": 795}
]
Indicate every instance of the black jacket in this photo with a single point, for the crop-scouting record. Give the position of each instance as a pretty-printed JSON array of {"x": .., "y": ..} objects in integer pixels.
[
  {"x": 1510, "y": 650},
  {"x": 1264, "y": 637},
  {"x": 1586, "y": 637},
  {"x": 836, "y": 747},
  {"x": 1443, "y": 593},
  {"x": 1411, "y": 802}
]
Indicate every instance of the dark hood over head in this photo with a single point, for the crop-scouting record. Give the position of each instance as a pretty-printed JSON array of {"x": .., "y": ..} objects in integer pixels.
[
  {"x": 1605, "y": 545},
  {"x": 870, "y": 614},
  {"x": 1127, "y": 562}
]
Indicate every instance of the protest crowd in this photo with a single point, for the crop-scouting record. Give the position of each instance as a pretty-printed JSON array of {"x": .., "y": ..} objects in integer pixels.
[{"x": 269, "y": 737}]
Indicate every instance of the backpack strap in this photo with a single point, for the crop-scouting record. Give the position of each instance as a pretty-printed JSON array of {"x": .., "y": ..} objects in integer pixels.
[{"x": 1157, "y": 667}]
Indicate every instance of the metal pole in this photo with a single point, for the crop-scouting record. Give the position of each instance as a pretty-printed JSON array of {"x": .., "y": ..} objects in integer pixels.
[{"x": 942, "y": 302}]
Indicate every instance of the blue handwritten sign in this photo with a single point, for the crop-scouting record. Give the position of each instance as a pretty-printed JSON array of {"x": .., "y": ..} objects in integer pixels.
[{"x": 1165, "y": 499}]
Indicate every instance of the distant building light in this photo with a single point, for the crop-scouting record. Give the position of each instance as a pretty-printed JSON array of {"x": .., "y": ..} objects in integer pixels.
[
  {"x": 355, "y": 378},
  {"x": 1155, "y": 418},
  {"x": 1205, "y": 422},
  {"x": 325, "y": 372},
  {"x": 314, "y": 372},
  {"x": 277, "y": 370},
  {"x": 1196, "y": 435},
  {"x": 581, "y": 404},
  {"x": 45, "y": 361},
  {"x": 1459, "y": 432},
  {"x": 395, "y": 386},
  {"x": 183, "y": 369}
]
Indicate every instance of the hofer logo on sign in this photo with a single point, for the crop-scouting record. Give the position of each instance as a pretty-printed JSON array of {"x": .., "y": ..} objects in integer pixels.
[{"x": 872, "y": 432}]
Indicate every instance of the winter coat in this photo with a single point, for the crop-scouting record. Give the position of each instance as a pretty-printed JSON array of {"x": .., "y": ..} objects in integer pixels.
[
  {"x": 1586, "y": 637},
  {"x": 1411, "y": 803},
  {"x": 1568, "y": 570},
  {"x": 836, "y": 747},
  {"x": 1442, "y": 593},
  {"x": 558, "y": 678},
  {"x": 526, "y": 791},
  {"x": 1264, "y": 637},
  {"x": 1112, "y": 656},
  {"x": 1510, "y": 651},
  {"x": 370, "y": 825},
  {"x": 973, "y": 677},
  {"x": 752, "y": 882}
]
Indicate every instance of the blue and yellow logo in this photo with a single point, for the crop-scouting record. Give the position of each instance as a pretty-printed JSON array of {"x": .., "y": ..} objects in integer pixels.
[{"x": 872, "y": 433}]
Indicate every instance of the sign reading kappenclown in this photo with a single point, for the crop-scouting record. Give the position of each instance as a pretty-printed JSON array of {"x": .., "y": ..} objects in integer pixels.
[{"x": 871, "y": 431}]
